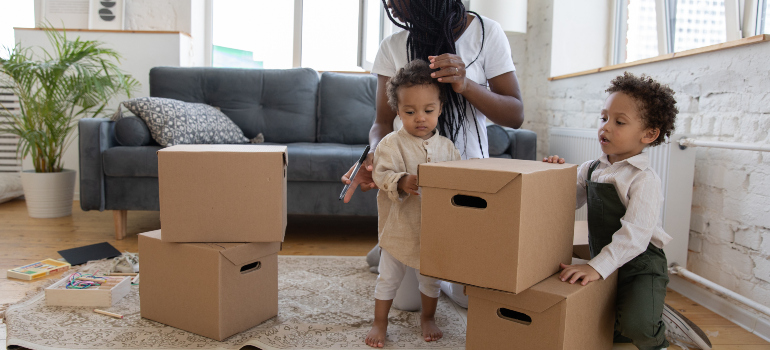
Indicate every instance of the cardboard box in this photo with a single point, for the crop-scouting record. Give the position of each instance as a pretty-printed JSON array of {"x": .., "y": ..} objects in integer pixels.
[
  {"x": 580, "y": 241},
  {"x": 552, "y": 315},
  {"x": 214, "y": 290},
  {"x": 222, "y": 193},
  {"x": 105, "y": 295},
  {"x": 496, "y": 223}
]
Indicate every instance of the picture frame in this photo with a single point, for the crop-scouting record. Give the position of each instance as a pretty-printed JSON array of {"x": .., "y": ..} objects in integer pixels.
[
  {"x": 106, "y": 14},
  {"x": 69, "y": 14}
]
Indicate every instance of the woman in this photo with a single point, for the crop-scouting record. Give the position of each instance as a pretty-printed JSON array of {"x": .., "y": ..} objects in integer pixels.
[{"x": 473, "y": 56}]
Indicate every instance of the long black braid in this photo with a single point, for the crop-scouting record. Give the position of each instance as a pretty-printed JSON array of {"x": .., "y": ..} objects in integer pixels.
[{"x": 433, "y": 29}]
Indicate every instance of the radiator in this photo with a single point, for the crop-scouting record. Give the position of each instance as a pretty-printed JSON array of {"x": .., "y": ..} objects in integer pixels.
[
  {"x": 674, "y": 165},
  {"x": 9, "y": 162}
]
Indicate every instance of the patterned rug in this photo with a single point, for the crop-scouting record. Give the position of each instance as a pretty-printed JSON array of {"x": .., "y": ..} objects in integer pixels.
[{"x": 324, "y": 303}]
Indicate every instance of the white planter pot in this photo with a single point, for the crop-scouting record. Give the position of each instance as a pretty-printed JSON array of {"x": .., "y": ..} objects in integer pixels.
[{"x": 49, "y": 195}]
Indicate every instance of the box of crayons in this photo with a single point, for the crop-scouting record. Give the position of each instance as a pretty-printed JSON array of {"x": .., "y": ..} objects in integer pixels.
[
  {"x": 38, "y": 269},
  {"x": 80, "y": 289}
]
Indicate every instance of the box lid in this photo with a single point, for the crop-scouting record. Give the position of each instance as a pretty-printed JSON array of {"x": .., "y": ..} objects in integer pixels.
[
  {"x": 487, "y": 175},
  {"x": 538, "y": 298},
  {"x": 228, "y": 149},
  {"x": 236, "y": 253}
]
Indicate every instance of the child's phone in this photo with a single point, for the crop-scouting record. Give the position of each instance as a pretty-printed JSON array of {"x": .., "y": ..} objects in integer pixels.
[{"x": 355, "y": 171}]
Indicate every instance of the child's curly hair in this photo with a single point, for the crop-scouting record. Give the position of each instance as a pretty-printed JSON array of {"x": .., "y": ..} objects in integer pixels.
[
  {"x": 656, "y": 102},
  {"x": 416, "y": 72}
]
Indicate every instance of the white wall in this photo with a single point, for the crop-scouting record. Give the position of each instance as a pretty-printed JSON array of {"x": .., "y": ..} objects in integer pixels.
[
  {"x": 722, "y": 96},
  {"x": 580, "y": 27}
]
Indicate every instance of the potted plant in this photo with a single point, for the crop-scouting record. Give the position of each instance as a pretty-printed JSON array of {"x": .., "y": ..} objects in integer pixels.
[{"x": 55, "y": 89}]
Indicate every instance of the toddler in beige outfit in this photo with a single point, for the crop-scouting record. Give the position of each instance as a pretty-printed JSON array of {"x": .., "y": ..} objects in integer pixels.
[{"x": 416, "y": 96}]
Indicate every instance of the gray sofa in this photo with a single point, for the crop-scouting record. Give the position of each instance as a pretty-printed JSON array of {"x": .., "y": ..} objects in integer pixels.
[{"x": 323, "y": 119}]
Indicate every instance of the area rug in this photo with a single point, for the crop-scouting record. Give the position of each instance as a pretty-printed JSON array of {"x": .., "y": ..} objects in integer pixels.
[{"x": 324, "y": 303}]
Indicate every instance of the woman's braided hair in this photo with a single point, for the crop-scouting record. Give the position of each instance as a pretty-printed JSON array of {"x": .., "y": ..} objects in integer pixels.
[{"x": 432, "y": 27}]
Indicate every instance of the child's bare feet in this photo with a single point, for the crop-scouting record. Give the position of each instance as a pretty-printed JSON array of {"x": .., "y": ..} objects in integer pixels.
[
  {"x": 430, "y": 330},
  {"x": 376, "y": 336}
]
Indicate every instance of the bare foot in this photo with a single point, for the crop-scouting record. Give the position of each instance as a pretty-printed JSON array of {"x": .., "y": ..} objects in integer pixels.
[
  {"x": 430, "y": 330},
  {"x": 376, "y": 336}
]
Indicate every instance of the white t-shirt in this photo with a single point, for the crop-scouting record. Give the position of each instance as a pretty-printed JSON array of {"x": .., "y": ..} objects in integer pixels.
[{"x": 494, "y": 60}]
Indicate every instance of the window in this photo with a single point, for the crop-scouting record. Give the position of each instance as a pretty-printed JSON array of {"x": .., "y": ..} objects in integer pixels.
[
  {"x": 330, "y": 34},
  {"x": 648, "y": 28},
  {"x": 14, "y": 14},
  {"x": 321, "y": 34},
  {"x": 698, "y": 23},
  {"x": 642, "y": 33},
  {"x": 253, "y": 34},
  {"x": 764, "y": 17}
]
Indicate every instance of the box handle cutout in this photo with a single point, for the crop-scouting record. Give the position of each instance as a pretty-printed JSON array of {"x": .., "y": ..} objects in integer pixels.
[
  {"x": 469, "y": 201},
  {"x": 510, "y": 315},
  {"x": 251, "y": 267}
]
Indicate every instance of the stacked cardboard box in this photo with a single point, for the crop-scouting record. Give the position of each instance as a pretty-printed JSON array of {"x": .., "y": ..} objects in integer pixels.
[
  {"x": 214, "y": 269},
  {"x": 502, "y": 227}
]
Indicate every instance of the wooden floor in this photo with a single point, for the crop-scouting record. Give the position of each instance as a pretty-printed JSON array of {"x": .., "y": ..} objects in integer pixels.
[{"x": 25, "y": 240}]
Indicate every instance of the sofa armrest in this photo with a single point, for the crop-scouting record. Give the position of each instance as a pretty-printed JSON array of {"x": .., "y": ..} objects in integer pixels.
[
  {"x": 523, "y": 143},
  {"x": 96, "y": 135}
]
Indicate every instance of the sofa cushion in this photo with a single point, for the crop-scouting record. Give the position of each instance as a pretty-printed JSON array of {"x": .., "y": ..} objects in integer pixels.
[
  {"x": 499, "y": 141},
  {"x": 346, "y": 107},
  {"x": 321, "y": 161},
  {"x": 132, "y": 131},
  {"x": 279, "y": 103},
  {"x": 124, "y": 161},
  {"x": 173, "y": 122}
]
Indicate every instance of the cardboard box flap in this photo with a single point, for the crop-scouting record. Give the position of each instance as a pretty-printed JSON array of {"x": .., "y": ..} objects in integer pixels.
[
  {"x": 538, "y": 298},
  {"x": 225, "y": 148},
  {"x": 243, "y": 253},
  {"x": 152, "y": 234},
  {"x": 529, "y": 300},
  {"x": 460, "y": 179}
]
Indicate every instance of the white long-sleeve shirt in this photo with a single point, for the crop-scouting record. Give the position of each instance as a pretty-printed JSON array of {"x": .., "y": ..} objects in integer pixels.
[{"x": 639, "y": 188}]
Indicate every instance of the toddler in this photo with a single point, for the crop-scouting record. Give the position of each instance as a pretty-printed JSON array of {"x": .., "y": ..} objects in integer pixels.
[
  {"x": 624, "y": 200},
  {"x": 417, "y": 99}
]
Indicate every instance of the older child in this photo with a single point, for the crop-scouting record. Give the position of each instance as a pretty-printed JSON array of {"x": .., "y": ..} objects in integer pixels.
[
  {"x": 624, "y": 199},
  {"x": 417, "y": 99}
]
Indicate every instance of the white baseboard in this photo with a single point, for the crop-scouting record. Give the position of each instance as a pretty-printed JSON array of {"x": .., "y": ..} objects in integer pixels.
[{"x": 746, "y": 318}]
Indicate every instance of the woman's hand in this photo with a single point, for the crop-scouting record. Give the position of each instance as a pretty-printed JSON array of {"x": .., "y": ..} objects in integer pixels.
[
  {"x": 408, "y": 184},
  {"x": 554, "y": 159},
  {"x": 363, "y": 178},
  {"x": 452, "y": 71},
  {"x": 573, "y": 273}
]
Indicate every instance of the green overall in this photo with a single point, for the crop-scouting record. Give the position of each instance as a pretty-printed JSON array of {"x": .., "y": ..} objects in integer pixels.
[{"x": 641, "y": 282}]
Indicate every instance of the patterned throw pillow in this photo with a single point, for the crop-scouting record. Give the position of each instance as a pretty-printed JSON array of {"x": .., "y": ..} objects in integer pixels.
[{"x": 173, "y": 122}]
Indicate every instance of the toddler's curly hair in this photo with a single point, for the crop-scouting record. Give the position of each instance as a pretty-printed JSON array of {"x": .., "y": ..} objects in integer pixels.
[
  {"x": 416, "y": 72},
  {"x": 656, "y": 102}
]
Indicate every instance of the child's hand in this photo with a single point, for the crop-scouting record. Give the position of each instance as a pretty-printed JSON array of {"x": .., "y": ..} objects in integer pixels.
[
  {"x": 554, "y": 159},
  {"x": 573, "y": 273},
  {"x": 408, "y": 184}
]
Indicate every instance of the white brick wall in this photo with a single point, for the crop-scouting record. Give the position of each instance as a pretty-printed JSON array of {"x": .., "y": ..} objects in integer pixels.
[{"x": 721, "y": 96}]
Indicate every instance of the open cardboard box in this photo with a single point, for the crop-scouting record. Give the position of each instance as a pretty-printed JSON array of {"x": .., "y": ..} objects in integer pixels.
[
  {"x": 223, "y": 193},
  {"x": 496, "y": 223},
  {"x": 552, "y": 315},
  {"x": 211, "y": 289}
]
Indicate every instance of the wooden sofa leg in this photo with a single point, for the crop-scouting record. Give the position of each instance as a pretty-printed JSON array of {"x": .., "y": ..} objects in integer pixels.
[{"x": 120, "y": 217}]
